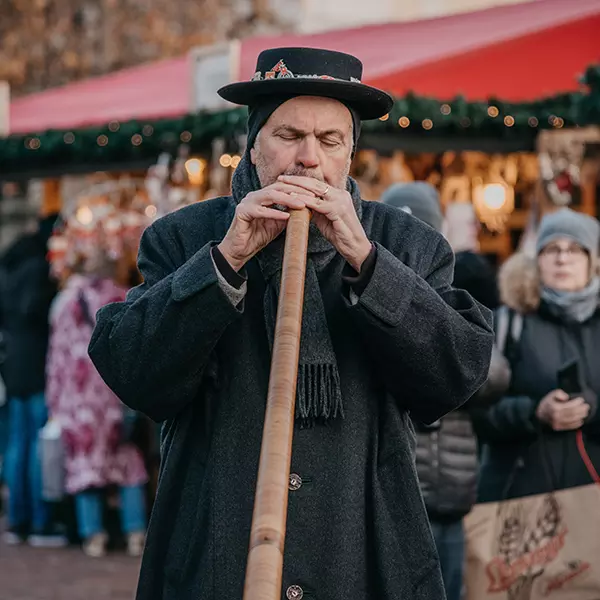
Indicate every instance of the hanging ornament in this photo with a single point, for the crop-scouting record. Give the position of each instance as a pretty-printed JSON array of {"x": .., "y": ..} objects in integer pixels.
[{"x": 560, "y": 179}]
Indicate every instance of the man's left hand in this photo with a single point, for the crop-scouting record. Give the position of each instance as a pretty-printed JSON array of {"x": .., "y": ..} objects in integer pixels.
[{"x": 336, "y": 218}]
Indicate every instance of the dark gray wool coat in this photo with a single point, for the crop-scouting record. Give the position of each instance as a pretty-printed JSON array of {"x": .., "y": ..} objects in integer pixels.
[{"x": 178, "y": 350}]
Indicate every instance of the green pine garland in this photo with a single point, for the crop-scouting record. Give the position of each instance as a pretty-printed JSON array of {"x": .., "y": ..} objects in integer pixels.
[{"x": 136, "y": 142}]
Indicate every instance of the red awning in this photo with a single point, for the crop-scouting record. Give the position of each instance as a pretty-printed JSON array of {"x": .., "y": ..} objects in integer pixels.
[
  {"x": 515, "y": 52},
  {"x": 151, "y": 91}
]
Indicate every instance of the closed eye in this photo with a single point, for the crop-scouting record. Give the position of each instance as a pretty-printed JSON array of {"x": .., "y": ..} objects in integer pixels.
[{"x": 330, "y": 143}]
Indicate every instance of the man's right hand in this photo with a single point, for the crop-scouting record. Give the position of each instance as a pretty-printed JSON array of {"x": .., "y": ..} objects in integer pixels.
[
  {"x": 561, "y": 413},
  {"x": 256, "y": 223}
]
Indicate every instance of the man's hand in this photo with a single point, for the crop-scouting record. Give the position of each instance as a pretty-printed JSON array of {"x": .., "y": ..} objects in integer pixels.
[
  {"x": 336, "y": 218},
  {"x": 256, "y": 224},
  {"x": 560, "y": 413}
]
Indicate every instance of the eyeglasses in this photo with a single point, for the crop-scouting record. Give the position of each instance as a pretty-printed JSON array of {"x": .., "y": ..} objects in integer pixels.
[{"x": 573, "y": 251}]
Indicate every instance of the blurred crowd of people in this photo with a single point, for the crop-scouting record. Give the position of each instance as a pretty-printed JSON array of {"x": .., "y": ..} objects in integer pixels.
[
  {"x": 521, "y": 434},
  {"x": 51, "y": 384}
]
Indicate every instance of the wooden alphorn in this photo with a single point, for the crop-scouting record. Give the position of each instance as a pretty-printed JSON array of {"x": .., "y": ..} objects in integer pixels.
[{"x": 267, "y": 535}]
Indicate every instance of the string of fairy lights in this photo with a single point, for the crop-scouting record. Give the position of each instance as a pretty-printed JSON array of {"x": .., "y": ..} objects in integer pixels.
[
  {"x": 492, "y": 111},
  {"x": 34, "y": 143},
  {"x": 137, "y": 139},
  {"x": 102, "y": 140},
  {"x": 119, "y": 143}
]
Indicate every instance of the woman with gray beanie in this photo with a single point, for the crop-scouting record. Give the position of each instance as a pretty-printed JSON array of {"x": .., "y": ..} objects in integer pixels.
[{"x": 550, "y": 331}]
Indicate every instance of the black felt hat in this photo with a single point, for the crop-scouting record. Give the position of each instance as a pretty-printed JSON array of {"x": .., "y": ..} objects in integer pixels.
[{"x": 310, "y": 72}]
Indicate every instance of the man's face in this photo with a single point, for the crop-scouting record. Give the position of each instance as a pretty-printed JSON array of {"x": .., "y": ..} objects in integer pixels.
[{"x": 307, "y": 136}]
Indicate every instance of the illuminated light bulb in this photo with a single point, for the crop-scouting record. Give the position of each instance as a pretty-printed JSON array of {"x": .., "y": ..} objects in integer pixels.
[
  {"x": 235, "y": 161},
  {"x": 494, "y": 196},
  {"x": 102, "y": 140},
  {"x": 533, "y": 122},
  {"x": 185, "y": 136},
  {"x": 225, "y": 160},
  {"x": 404, "y": 122},
  {"x": 493, "y": 111},
  {"x": 384, "y": 118},
  {"x": 195, "y": 170},
  {"x": 69, "y": 138},
  {"x": 194, "y": 166},
  {"x": 136, "y": 139},
  {"x": 84, "y": 215},
  {"x": 114, "y": 126},
  {"x": 427, "y": 124},
  {"x": 558, "y": 122},
  {"x": 509, "y": 121},
  {"x": 151, "y": 211},
  {"x": 147, "y": 130},
  {"x": 445, "y": 109}
]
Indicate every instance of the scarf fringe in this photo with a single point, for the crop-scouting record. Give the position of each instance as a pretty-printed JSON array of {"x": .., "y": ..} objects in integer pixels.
[{"x": 319, "y": 396}]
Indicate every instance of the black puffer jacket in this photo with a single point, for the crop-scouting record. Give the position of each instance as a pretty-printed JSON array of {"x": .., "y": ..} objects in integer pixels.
[
  {"x": 447, "y": 452},
  {"x": 446, "y": 456}
]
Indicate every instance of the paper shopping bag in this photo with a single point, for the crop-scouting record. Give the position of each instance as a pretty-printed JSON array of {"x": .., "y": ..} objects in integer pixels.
[{"x": 537, "y": 547}]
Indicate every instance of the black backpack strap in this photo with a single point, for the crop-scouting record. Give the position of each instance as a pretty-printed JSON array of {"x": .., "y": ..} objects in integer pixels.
[
  {"x": 509, "y": 327},
  {"x": 503, "y": 325}
]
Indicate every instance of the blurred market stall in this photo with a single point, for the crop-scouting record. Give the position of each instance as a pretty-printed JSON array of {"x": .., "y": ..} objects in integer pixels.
[{"x": 473, "y": 93}]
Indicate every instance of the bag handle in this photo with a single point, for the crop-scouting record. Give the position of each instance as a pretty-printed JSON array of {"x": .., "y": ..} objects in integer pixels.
[{"x": 585, "y": 457}]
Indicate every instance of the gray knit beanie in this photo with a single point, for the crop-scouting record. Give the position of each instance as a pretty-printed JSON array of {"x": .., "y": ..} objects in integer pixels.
[
  {"x": 417, "y": 198},
  {"x": 567, "y": 223}
]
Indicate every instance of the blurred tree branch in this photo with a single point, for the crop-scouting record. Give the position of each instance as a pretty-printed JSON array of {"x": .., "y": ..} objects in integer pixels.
[{"x": 45, "y": 43}]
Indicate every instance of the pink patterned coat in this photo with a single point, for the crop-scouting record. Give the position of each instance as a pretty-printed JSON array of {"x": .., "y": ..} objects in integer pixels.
[{"x": 89, "y": 413}]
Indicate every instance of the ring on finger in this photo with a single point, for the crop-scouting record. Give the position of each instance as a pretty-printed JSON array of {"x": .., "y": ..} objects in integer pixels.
[{"x": 325, "y": 192}]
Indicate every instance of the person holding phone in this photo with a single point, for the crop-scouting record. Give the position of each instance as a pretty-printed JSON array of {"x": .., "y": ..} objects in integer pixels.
[{"x": 555, "y": 378}]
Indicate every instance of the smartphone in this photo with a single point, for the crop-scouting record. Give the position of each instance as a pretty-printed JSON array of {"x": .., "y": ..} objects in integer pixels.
[{"x": 568, "y": 378}]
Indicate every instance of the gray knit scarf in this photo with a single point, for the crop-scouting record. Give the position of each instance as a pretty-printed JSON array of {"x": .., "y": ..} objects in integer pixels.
[
  {"x": 573, "y": 307},
  {"x": 319, "y": 396}
]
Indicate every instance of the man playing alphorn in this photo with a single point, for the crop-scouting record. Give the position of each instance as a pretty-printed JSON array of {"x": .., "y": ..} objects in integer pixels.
[{"x": 383, "y": 334}]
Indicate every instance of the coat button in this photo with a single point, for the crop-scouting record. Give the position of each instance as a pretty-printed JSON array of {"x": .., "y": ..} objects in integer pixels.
[
  {"x": 295, "y": 484},
  {"x": 294, "y": 592}
]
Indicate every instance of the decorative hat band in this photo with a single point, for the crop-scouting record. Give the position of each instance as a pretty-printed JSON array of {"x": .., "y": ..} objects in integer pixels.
[{"x": 280, "y": 71}]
